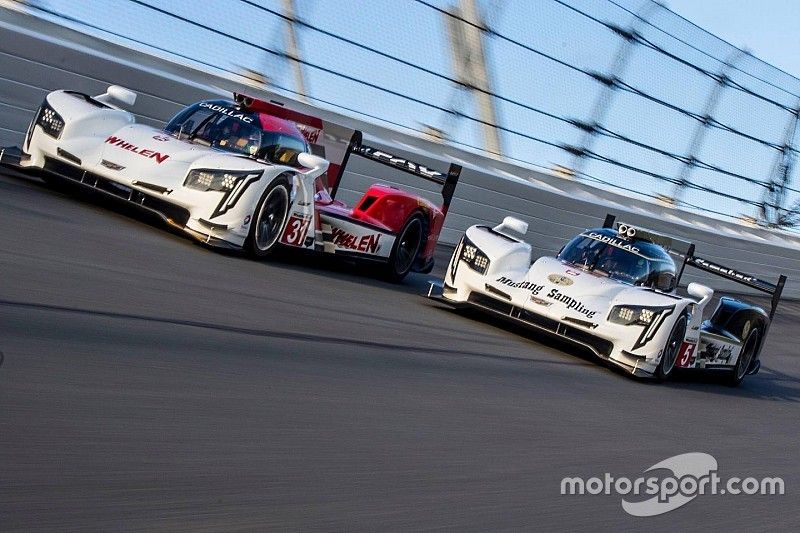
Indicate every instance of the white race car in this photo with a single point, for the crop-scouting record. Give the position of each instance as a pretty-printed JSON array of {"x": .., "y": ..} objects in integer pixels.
[
  {"x": 244, "y": 174},
  {"x": 612, "y": 291}
]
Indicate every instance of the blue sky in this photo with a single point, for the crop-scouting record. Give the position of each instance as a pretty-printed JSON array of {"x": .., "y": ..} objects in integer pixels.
[{"x": 770, "y": 28}]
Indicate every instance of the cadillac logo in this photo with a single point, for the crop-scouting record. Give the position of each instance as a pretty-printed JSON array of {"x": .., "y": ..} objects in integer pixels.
[
  {"x": 559, "y": 279},
  {"x": 539, "y": 301}
]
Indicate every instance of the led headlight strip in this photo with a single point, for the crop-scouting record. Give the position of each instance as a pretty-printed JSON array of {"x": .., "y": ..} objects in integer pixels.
[
  {"x": 651, "y": 318},
  {"x": 232, "y": 183},
  {"x": 456, "y": 259},
  {"x": 474, "y": 257},
  {"x": 50, "y": 121}
]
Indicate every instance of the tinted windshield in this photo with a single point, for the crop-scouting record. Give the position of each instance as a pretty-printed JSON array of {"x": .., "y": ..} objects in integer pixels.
[
  {"x": 633, "y": 262},
  {"x": 221, "y": 125}
]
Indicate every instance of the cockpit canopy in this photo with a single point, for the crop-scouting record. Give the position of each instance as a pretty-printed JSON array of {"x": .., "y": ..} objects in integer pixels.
[
  {"x": 221, "y": 124},
  {"x": 635, "y": 262}
]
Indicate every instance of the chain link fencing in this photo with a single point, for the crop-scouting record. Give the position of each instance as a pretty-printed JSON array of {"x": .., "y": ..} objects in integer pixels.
[{"x": 625, "y": 94}]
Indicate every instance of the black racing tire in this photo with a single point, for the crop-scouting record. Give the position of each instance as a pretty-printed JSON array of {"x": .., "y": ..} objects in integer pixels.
[
  {"x": 749, "y": 350},
  {"x": 669, "y": 356},
  {"x": 406, "y": 247},
  {"x": 268, "y": 220}
]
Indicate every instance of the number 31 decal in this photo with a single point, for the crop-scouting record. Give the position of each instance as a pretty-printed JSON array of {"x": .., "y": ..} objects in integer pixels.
[{"x": 295, "y": 232}]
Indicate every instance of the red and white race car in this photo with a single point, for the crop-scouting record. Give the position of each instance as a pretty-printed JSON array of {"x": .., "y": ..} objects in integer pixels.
[{"x": 242, "y": 173}]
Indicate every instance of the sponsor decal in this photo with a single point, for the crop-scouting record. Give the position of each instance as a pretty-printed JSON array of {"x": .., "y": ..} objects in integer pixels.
[
  {"x": 399, "y": 162},
  {"x": 365, "y": 243},
  {"x": 573, "y": 273},
  {"x": 613, "y": 242},
  {"x": 716, "y": 353},
  {"x": 534, "y": 288},
  {"x": 558, "y": 279},
  {"x": 311, "y": 134},
  {"x": 571, "y": 303},
  {"x": 234, "y": 113},
  {"x": 724, "y": 271},
  {"x": 161, "y": 138},
  {"x": 144, "y": 152}
]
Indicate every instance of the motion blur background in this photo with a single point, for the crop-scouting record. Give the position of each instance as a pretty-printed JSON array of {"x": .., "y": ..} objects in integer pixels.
[{"x": 624, "y": 94}]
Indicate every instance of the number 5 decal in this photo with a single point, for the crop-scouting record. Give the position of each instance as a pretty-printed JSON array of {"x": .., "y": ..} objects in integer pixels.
[
  {"x": 685, "y": 355},
  {"x": 295, "y": 232}
]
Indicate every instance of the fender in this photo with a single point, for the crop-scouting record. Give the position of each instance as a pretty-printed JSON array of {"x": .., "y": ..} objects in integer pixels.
[
  {"x": 732, "y": 316},
  {"x": 737, "y": 319},
  {"x": 390, "y": 207}
]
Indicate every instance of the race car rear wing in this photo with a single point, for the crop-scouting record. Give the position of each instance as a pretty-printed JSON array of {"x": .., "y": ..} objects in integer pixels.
[
  {"x": 336, "y": 143},
  {"x": 685, "y": 251},
  {"x": 447, "y": 180},
  {"x": 773, "y": 289}
]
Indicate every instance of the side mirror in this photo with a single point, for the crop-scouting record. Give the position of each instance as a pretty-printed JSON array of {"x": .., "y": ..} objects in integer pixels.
[
  {"x": 515, "y": 226},
  {"x": 700, "y": 292},
  {"x": 118, "y": 94},
  {"x": 312, "y": 161}
]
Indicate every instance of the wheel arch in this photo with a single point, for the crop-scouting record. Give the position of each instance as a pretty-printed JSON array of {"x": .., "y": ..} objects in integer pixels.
[{"x": 738, "y": 318}]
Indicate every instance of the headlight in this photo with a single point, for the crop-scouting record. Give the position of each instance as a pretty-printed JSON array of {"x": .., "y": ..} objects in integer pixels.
[
  {"x": 50, "y": 121},
  {"x": 215, "y": 180},
  {"x": 473, "y": 256},
  {"x": 631, "y": 315}
]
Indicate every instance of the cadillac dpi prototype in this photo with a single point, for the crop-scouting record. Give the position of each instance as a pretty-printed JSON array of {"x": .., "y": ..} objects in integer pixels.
[
  {"x": 613, "y": 291},
  {"x": 245, "y": 174}
]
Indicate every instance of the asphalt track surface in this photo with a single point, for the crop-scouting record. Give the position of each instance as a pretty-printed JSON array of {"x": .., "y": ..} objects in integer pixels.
[{"x": 148, "y": 383}]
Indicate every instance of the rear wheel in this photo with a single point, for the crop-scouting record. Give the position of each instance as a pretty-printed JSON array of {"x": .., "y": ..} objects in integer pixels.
[
  {"x": 268, "y": 219},
  {"x": 670, "y": 353},
  {"x": 405, "y": 249},
  {"x": 746, "y": 356}
]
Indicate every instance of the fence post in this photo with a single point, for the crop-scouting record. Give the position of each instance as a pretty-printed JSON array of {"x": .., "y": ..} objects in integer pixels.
[
  {"x": 466, "y": 31},
  {"x": 292, "y": 51}
]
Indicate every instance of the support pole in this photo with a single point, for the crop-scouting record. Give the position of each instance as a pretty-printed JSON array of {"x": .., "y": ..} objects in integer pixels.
[
  {"x": 292, "y": 51},
  {"x": 466, "y": 31}
]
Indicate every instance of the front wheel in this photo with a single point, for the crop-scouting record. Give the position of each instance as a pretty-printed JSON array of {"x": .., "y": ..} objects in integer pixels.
[
  {"x": 405, "y": 249},
  {"x": 746, "y": 357},
  {"x": 670, "y": 353},
  {"x": 268, "y": 219}
]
